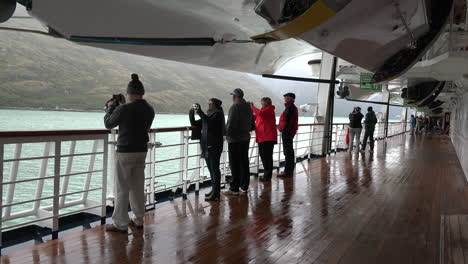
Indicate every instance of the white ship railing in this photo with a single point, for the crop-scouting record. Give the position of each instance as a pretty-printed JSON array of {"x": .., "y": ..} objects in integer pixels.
[{"x": 46, "y": 175}]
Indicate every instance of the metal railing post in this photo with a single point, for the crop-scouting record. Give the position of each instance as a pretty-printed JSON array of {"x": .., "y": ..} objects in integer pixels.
[
  {"x": 68, "y": 169},
  {"x": 105, "y": 144},
  {"x": 92, "y": 160},
  {"x": 186, "y": 158},
  {"x": 225, "y": 161},
  {"x": 183, "y": 164},
  {"x": 257, "y": 159},
  {"x": 197, "y": 171},
  {"x": 2, "y": 147},
  {"x": 280, "y": 143},
  {"x": 55, "y": 208},
  {"x": 113, "y": 139},
  {"x": 40, "y": 184},
  {"x": 296, "y": 150},
  {"x": 152, "y": 169},
  {"x": 311, "y": 141},
  {"x": 13, "y": 176}
]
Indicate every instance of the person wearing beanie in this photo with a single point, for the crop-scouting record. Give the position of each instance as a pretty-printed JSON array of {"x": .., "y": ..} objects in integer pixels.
[
  {"x": 134, "y": 120},
  {"x": 211, "y": 141}
]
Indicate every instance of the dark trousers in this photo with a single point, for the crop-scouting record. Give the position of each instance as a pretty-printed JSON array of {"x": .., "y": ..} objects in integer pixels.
[
  {"x": 239, "y": 164},
  {"x": 212, "y": 162},
  {"x": 288, "y": 151},
  {"x": 265, "y": 150},
  {"x": 368, "y": 135}
]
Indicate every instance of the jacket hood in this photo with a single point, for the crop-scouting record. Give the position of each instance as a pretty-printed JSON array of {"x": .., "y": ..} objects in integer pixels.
[
  {"x": 269, "y": 106},
  {"x": 215, "y": 110}
]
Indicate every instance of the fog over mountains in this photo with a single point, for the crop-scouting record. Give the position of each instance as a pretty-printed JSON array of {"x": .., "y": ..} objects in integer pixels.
[{"x": 43, "y": 72}]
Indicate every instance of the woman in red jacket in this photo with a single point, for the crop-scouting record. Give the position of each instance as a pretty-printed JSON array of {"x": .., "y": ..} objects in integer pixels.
[{"x": 266, "y": 135}]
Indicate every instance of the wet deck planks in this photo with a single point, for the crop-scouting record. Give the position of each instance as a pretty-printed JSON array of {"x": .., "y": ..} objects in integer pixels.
[{"x": 385, "y": 208}]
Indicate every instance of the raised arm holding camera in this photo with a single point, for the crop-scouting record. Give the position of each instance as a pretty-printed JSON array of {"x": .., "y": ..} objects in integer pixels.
[
  {"x": 211, "y": 141},
  {"x": 134, "y": 120}
]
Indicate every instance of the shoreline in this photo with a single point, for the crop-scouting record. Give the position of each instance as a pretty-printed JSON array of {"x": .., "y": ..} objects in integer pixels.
[{"x": 71, "y": 110}]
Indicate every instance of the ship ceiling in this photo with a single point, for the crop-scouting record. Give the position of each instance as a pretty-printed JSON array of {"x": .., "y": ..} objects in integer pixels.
[{"x": 383, "y": 37}]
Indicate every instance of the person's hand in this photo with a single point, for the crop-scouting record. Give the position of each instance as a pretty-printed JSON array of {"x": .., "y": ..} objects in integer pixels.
[{"x": 197, "y": 107}]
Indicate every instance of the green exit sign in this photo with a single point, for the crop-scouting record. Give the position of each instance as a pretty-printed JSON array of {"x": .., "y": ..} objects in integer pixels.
[{"x": 367, "y": 86}]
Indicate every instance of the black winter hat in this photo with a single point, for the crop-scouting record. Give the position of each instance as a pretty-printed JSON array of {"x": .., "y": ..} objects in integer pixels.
[
  {"x": 216, "y": 102},
  {"x": 293, "y": 96},
  {"x": 135, "y": 86}
]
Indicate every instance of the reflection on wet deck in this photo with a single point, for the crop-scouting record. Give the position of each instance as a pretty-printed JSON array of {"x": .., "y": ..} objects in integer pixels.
[{"x": 384, "y": 208}]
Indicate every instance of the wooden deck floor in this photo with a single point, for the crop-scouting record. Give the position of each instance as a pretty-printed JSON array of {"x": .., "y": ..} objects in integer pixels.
[{"x": 342, "y": 209}]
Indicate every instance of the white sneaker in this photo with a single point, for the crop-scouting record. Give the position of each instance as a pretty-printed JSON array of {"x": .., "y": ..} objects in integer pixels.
[{"x": 242, "y": 191}]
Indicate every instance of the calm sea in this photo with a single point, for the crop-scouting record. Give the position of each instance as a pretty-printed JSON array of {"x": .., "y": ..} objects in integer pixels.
[{"x": 13, "y": 120}]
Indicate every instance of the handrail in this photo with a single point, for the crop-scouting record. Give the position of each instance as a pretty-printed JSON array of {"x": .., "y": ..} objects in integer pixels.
[
  {"x": 172, "y": 167},
  {"x": 44, "y": 133}
]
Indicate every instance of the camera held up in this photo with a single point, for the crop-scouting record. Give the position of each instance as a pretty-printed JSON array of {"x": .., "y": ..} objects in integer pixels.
[{"x": 117, "y": 98}]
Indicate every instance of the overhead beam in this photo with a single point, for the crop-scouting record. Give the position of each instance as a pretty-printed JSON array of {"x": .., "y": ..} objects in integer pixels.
[
  {"x": 373, "y": 102},
  {"x": 299, "y": 79},
  {"x": 145, "y": 41},
  {"x": 331, "y": 106}
]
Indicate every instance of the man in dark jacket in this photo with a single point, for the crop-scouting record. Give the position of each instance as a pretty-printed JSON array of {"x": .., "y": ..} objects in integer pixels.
[
  {"x": 211, "y": 141},
  {"x": 355, "y": 128},
  {"x": 134, "y": 120},
  {"x": 369, "y": 124},
  {"x": 288, "y": 126},
  {"x": 239, "y": 125}
]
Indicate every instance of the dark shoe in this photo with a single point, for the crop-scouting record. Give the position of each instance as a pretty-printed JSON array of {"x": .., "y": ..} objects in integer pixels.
[
  {"x": 212, "y": 198},
  {"x": 135, "y": 225},
  {"x": 112, "y": 228},
  {"x": 229, "y": 192},
  {"x": 263, "y": 179},
  {"x": 284, "y": 175},
  {"x": 208, "y": 194}
]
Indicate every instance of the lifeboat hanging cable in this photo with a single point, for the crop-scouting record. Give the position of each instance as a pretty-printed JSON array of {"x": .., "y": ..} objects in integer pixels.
[
  {"x": 138, "y": 41},
  {"x": 412, "y": 44}
]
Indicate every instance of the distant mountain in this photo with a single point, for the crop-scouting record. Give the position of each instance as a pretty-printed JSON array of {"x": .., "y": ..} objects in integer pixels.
[{"x": 39, "y": 71}]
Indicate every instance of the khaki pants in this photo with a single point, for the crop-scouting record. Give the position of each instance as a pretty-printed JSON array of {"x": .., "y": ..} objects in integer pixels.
[{"x": 129, "y": 187}]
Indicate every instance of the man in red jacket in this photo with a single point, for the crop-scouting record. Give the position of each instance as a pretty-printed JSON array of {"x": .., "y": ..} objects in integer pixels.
[
  {"x": 288, "y": 126},
  {"x": 266, "y": 135}
]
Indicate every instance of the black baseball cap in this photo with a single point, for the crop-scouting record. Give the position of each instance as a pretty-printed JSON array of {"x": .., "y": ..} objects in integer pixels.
[
  {"x": 238, "y": 92},
  {"x": 293, "y": 96}
]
